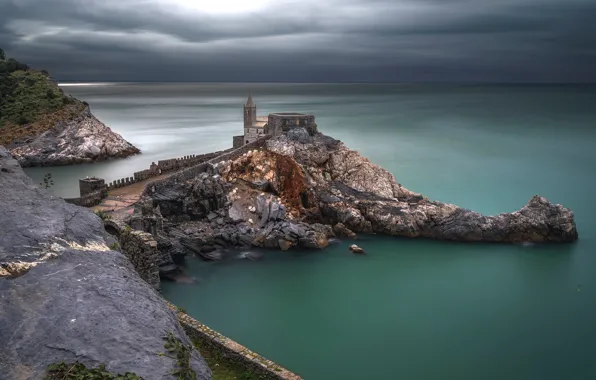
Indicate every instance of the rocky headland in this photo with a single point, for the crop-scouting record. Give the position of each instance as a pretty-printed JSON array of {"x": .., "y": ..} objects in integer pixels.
[
  {"x": 42, "y": 126},
  {"x": 299, "y": 190},
  {"x": 66, "y": 296},
  {"x": 80, "y": 139}
]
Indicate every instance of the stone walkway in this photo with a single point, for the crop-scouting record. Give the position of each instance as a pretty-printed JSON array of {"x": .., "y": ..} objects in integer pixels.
[{"x": 120, "y": 202}]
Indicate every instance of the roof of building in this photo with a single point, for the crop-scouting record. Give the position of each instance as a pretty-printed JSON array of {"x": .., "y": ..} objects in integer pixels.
[
  {"x": 289, "y": 114},
  {"x": 249, "y": 102},
  {"x": 262, "y": 118}
]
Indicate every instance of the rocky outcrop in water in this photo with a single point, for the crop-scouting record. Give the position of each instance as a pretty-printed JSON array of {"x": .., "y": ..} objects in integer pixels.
[
  {"x": 65, "y": 296},
  {"x": 82, "y": 139},
  {"x": 210, "y": 212},
  {"x": 303, "y": 189}
]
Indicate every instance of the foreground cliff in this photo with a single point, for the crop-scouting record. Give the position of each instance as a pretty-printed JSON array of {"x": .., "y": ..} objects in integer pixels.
[
  {"x": 42, "y": 126},
  {"x": 300, "y": 190},
  {"x": 66, "y": 297}
]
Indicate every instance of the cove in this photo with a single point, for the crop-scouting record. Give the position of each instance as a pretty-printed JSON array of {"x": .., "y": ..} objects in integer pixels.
[{"x": 411, "y": 308}]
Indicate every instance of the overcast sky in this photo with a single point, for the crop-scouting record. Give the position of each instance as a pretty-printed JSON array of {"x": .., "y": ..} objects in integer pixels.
[{"x": 305, "y": 40}]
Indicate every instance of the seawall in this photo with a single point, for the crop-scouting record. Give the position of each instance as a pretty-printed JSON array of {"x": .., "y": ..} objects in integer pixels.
[{"x": 231, "y": 350}]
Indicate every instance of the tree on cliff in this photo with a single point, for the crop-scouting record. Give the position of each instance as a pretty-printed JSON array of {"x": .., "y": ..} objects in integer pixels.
[{"x": 2, "y": 55}]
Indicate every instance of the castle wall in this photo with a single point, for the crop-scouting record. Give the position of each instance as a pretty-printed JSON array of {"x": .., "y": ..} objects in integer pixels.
[
  {"x": 164, "y": 167},
  {"x": 90, "y": 185},
  {"x": 279, "y": 123},
  {"x": 208, "y": 166},
  {"x": 90, "y": 199}
]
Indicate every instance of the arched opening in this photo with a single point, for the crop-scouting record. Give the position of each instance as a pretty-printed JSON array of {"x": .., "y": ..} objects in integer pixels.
[{"x": 112, "y": 231}]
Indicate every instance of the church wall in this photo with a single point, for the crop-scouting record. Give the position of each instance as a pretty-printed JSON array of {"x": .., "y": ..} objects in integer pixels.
[{"x": 281, "y": 123}]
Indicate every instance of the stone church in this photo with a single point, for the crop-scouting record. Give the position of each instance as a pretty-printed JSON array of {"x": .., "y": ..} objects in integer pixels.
[{"x": 273, "y": 124}]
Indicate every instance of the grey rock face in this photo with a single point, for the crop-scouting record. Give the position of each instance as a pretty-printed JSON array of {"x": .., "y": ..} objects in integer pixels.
[
  {"x": 65, "y": 296},
  {"x": 197, "y": 199},
  {"x": 317, "y": 182},
  {"x": 364, "y": 197},
  {"x": 84, "y": 139}
]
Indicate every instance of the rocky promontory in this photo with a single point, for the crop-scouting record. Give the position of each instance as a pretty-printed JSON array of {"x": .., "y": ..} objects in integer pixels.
[
  {"x": 43, "y": 126},
  {"x": 66, "y": 296},
  {"x": 301, "y": 189},
  {"x": 81, "y": 139}
]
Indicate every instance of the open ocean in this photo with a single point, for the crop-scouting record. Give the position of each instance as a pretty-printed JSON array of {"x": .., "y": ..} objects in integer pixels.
[{"x": 412, "y": 309}]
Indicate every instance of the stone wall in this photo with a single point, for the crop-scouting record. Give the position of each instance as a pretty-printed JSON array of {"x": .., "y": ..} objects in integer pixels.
[
  {"x": 238, "y": 141},
  {"x": 232, "y": 155},
  {"x": 231, "y": 350},
  {"x": 140, "y": 248},
  {"x": 90, "y": 185},
  {"x": 206, "y": 167},
  {"x": 165, "y": 166},
  {"x": 90, "y": 199},
  {"x": 279, "y": 123}
]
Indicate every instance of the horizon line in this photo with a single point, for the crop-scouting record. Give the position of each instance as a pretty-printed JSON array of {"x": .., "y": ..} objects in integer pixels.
[{"x": 362, "y": 82}]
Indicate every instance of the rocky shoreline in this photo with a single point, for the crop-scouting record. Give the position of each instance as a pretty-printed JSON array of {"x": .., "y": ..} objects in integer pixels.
[
  {"x": 82, "y": 139},
  {"x": 294, "y": 190},
  {"x": 300, "y": 190}
]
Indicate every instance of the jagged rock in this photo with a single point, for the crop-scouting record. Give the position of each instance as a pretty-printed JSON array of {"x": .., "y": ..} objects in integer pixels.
[
  {"x": 366, "y": 198},
  {"x": 356, "y": 249},
  {"x": 342, "y": 231},
  {"x": 78, "y": 300},
  {"x": 315, "y": 182},
  {"x": 80, "y": 140},
  {"x": 284, "y": 244},
  {"x": 207, "y": 249}
]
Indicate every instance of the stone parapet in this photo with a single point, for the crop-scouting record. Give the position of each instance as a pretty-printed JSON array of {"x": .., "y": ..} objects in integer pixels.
[
  {"x": 231, "y": 350},
  {"x": 89, "y": 199}
]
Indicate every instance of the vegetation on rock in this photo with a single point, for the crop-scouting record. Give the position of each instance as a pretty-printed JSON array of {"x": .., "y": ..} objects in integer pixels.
[
  {"x": 78, "y": 371},
  {"x": 47, "y": 181},
  {"x": 222, "y": 368},
  {"x": 181, "y": 353},
  {"x": 30, "y": 101},
  {"x": 103, "y": 215}
]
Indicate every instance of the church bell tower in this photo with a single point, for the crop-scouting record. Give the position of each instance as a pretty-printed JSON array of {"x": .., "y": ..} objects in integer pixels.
[{"x": 250, "y": 113}]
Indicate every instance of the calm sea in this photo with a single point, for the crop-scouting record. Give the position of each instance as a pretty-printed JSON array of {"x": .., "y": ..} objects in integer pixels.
[{"x": 412, "y": 309}]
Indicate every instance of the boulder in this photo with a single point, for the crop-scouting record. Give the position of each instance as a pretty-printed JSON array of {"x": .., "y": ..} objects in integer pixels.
[
  {"x": 342, "y": 231},
  {"x": 284, "y": 244},
  {"x": 356, "y": 249},
  {"x": 66, "y": 297}
]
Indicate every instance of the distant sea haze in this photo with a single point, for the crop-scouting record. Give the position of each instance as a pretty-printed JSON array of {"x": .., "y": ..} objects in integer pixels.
[{"x": 412, "y": 309}]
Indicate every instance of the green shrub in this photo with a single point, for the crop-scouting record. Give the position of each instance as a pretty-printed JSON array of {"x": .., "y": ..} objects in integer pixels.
[
  {"x": 26, "y": 95},
  {"x": 103, "y": 215}
]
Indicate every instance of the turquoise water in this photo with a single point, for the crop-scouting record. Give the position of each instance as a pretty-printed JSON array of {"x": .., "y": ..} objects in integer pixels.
[{"x": 412, "y": 309}]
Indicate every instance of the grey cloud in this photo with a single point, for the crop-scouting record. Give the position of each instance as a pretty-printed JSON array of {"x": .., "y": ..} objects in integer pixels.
[{"x": 350, "y": 40}]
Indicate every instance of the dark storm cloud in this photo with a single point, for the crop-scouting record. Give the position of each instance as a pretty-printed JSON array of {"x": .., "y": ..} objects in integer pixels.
[{"x": 307, "y": 40}]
